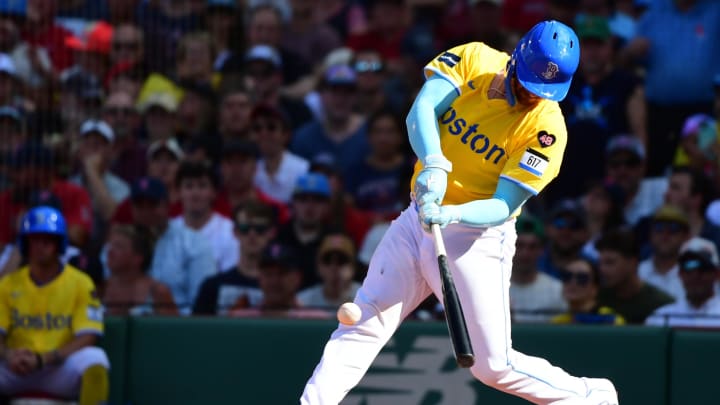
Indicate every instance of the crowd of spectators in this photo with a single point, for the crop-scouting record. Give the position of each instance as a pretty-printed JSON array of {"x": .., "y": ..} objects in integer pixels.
[{"x": 244, "y": 157}]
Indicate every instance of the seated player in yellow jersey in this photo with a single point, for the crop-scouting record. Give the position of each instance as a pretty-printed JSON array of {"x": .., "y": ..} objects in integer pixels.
[{"x": 50, "y": 318}]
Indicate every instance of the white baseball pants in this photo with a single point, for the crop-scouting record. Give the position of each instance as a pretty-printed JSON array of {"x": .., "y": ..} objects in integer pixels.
[
  {"x": 62, "y": 380},
  {"x": 403, "y": 272}
]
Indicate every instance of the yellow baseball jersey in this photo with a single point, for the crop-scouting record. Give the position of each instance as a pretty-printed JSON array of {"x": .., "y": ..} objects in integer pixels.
[
  {"x": 46, "y": 317},
  {"x": 485, "y": 138}
]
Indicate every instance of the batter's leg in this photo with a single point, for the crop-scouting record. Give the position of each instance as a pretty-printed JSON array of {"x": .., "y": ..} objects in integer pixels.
[
  {"x": 480, "y": 262},
  {"x": 392, "y": 289}
]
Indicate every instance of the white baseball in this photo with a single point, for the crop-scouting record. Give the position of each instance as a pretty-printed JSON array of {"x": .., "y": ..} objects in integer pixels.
[{"x": 349, "y": 313}]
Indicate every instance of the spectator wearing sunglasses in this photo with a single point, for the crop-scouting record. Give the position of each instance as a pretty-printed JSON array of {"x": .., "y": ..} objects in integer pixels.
[
  {"x": 567, "y": 234},
  {"x": 336, "y": 267},
  {"x": 621, "y": 287},
  {"x": 580, "y": 286},
  {"x": 374, "y": 84},
  {"x": 254, "y": 226},
  {"x": 129, "y": 161},
  {"x": 625, "y": 166},
  {"x": 700, "y": 307},
  {"x": 669, "y": 229},
  {"x": 534, "y": 296}
]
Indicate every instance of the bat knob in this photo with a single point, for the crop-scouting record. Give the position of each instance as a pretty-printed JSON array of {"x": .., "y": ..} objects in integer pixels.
[{"x": 465, "y": 360}]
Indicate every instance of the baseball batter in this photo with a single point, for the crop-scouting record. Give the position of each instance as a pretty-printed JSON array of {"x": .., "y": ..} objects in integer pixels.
[
  {"x": 50, "y": 317},
  {"x": 489, "y": 134}
]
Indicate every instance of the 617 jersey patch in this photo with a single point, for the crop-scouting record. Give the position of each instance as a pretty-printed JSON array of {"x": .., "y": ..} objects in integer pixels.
[{"x": 534, "y": 162}]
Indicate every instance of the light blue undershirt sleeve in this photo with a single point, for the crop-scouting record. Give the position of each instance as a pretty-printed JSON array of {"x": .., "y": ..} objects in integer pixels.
[
  {"x": 508, "y": 197},
  {"x": 434, "y": 98}
]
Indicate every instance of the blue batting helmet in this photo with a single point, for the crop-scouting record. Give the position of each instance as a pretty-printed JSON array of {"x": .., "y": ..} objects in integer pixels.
[
  {"x": 545, "y": 60},
  {"x": 43, "y": 220}
]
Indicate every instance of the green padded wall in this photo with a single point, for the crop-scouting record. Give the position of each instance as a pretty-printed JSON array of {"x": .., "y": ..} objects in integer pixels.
[
  {"x": 222, "y": 361},
  {"x": 215, "y": 360},
  {"x": 114, "y": 342},
  {"x": 694, "y": 361}
]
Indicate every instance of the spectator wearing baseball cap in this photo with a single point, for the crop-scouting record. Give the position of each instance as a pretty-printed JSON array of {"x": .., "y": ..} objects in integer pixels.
[
  {"x": 698, "y": 143},
  {"x": 278, "y": 169},
  {"x": 266, "y": 79},
  {"x": 158, "y": 109},
  {"x": 148, "y": 189},
  {"x": 309, "y": 222},
  {"x": 238, "y": 165},
  {"x": 567, "y": 232},
  {"x": 95, "y": 157},
  {"x": 336, "y": 266},
  {"x": 669, "y": 229},
  {"x": 279, "y": 279},
  {"x": 91, "y": 53},
  {"x": 265, "y": 23},
  {"x": 700, "y": 305},
  {"x": 340, "y": 132},
  {"x": 625, "y": 166}
]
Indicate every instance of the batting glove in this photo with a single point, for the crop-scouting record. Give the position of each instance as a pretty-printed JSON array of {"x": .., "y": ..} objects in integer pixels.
[
  {"x": 431, "y": 213},
  {"x": 431, "y": 182}
]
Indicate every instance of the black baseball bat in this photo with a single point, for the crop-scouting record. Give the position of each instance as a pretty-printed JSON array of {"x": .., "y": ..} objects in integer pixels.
[{"x": 453, "y": 310}]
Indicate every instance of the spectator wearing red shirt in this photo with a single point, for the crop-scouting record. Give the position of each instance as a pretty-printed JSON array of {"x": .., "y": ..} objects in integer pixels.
[
  {"x": 237, "y": 170},
  {"x": 521, "y": 15},
  {"x": 41, "y": 30},
  {"x": 32, "y": 170},
  {"x": 388, "y": 26}
]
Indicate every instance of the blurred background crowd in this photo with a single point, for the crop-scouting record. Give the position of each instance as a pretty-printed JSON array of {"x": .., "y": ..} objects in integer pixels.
[{"x": 244, "y": 157}]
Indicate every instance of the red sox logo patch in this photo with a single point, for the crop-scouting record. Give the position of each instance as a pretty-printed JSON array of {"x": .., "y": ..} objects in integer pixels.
[
  {"x": 551, "y": 71},
  {"x": 546, "y": 139}
]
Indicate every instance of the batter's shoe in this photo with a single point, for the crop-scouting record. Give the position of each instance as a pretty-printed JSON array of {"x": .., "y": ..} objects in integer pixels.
[{"x": 601, "y": 392}]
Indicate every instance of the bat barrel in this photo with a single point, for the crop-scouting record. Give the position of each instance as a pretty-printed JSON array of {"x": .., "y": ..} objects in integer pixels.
[{"x": 453, "y": 309}]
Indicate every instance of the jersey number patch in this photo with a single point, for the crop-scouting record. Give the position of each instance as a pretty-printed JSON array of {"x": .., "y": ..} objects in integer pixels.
[
  {"x": 449, "y": 59},
  {"x": 534, "y": 162}
]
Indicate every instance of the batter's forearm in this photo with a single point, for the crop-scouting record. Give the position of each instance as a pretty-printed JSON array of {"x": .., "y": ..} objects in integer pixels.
[{"x": 508, "y": 198}]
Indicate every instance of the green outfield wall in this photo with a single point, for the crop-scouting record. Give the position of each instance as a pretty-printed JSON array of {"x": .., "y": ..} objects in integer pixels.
[{"x": 192, "y": 361}]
